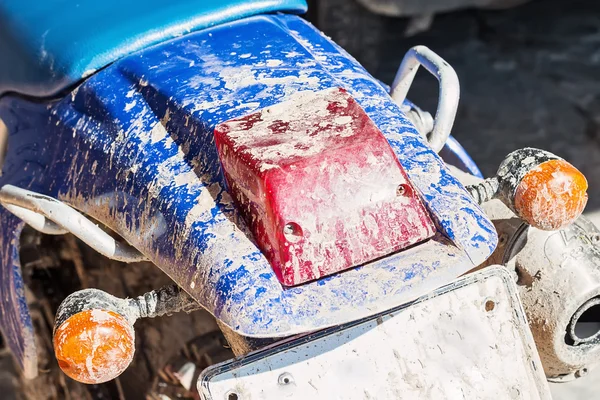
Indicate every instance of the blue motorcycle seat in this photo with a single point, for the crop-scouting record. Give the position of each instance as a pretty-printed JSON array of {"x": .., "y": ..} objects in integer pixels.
[{"x": 47, "y": 46}]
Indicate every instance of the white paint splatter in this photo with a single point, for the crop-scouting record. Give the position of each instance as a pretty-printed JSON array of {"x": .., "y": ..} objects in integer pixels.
[
  {"x": 274, "y": 63},
  {"x": 129, "y": 106}
]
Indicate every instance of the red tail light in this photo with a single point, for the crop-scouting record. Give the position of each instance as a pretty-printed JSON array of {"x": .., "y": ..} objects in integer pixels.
[{"x": 319, "y": 185}]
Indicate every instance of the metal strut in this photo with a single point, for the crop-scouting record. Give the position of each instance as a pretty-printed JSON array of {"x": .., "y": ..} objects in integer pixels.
[
  {"x": 449, "y": 90},
  {"x": 51, "y": 216}
]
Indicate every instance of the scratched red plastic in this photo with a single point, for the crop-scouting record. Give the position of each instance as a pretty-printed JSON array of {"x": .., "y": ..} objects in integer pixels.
[{"x": 319, "y": 186}]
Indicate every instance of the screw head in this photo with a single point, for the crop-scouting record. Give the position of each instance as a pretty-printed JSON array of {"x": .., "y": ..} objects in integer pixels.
[
  {"x": 581, "y": 373},
  {"x": 285, "y": 379}
]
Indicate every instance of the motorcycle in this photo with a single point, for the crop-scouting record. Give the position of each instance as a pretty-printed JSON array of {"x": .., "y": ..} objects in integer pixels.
[{"x": 296, "y": 198}]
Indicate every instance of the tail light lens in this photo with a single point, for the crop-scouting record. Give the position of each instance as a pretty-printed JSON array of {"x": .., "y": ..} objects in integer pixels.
[{"x": 319, "y": 185}]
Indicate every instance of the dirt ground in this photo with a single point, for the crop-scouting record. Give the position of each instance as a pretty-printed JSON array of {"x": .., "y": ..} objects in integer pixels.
[{"x": 529, "y": 77}]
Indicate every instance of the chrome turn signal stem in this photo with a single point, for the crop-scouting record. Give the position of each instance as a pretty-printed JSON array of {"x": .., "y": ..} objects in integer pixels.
[{"x": 94, "y": 338}]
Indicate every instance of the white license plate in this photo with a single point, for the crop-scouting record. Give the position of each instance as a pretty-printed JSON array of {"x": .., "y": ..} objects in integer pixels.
[{"x": 466, "y": 340}]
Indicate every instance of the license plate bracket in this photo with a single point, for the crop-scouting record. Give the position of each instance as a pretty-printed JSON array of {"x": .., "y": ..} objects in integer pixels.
[{"x": 468, "y": 339}]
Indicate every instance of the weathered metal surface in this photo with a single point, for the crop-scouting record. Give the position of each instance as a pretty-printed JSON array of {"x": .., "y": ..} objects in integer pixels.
[
  {"x": 467, "y": 340},
  {"x": 449, "y": 90},
  {"x": 155, "y": 303},
  {"x": 558, "y": 273},
  {"x": 485, "y": 190},
  {"x": 133, "y": 147},
  {"x": 558, "y": 276},
  {"x": 59, "y": 218},
  {"x": 319, "y": 186},
  {"x": 511, "y": 172}
]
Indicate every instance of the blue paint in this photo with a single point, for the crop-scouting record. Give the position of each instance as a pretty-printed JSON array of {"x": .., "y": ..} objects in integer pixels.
[
  {"x": 227, "y": 282},
  {"x": 139, "y": 134},
  {"x": 41, "y": 57},
  {"x": 16, "y": 325}
]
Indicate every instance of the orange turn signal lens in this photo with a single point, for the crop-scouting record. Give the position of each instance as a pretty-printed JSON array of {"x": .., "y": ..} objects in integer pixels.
[
  {"x": 94, "y": 346},
  {"x": 551, "y": 195}
]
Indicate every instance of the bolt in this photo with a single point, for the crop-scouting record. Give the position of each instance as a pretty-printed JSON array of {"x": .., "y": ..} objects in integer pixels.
[
  {"x": 288, "y": 229},
  {"x": 502, "y": 239},
  {"x": 232, "y": 396},
  {"x": 581, "y": 373},
  {"x": 285, "y": 379},
  {"x": 292, "y": 232}
]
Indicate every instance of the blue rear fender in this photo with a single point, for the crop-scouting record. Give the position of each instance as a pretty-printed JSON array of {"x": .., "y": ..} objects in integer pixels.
[
  {"x": 133, "y": 147},
  {"x": 49, "y": 45}
]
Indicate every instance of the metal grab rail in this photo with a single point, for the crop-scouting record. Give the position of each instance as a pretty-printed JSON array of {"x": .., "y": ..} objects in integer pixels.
[
  {"x": 448, "y": 84},
  {"x": 51, "y": 216}
]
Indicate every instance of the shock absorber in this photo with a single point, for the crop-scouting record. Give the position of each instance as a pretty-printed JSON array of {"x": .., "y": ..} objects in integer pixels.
[{"x": 94, "y": 338}]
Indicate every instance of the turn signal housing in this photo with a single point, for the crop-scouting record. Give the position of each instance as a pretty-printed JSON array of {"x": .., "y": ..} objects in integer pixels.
[
  {"x": 552, "y": 195},
  {"x": 542, "y": 189},
  {"x": 94, "y": 346}
]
